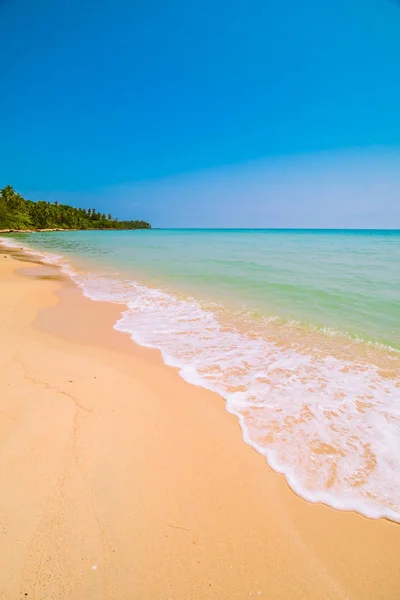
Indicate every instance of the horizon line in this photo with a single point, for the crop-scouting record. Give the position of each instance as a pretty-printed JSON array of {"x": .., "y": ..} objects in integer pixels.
[{"x": 282, "y": 228}]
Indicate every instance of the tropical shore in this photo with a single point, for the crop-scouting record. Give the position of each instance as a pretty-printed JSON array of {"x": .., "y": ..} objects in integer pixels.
[
  {"x": 31, "y": 230},
  {"x": 121, "y": 481}
]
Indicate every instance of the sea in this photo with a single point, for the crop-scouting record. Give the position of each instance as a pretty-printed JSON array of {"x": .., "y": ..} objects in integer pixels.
[{"x": 298, "y": 331}]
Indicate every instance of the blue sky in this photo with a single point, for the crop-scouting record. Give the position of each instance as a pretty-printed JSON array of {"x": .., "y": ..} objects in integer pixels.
[{"x": 263, "y": 113}]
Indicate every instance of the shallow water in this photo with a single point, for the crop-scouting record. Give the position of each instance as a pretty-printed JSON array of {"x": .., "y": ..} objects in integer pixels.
[{"x": 298, "y": 331}]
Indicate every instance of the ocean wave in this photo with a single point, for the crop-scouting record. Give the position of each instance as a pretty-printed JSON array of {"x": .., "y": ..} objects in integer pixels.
[{"x": 330, "y": 424}]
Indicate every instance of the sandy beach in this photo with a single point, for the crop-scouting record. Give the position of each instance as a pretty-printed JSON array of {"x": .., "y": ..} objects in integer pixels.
[{"x": 121, "y": 481}]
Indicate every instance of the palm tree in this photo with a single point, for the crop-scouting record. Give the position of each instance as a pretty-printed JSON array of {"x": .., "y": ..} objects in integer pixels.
[
  {"x": 18, "y": 203},
  {"x": 8, "y": 193},
  {"x": 42, "y": 213}
]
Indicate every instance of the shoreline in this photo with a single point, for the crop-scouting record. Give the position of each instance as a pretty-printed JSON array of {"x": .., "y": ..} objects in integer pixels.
[
  {"x": 32, "y": 230},
  {"x": 72, "y": 229},
  {"x": 167, "y": 500},
  {"x": 340, "y": 345}
]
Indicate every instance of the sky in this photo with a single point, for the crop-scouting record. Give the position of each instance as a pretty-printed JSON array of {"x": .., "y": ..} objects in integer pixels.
[{"x": 255, "y": 113}]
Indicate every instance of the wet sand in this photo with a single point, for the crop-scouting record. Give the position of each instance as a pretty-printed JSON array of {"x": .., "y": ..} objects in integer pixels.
[{"x": 120, "y": 481}]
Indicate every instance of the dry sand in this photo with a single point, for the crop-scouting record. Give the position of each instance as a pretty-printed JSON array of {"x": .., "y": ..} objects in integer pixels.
[{"x": 120, "y": 481}]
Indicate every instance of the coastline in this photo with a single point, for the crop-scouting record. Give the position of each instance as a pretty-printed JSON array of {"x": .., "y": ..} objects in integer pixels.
[
  {"x": 34, "y": 230},
  {"x": 59, "y": 229},
  {"x": 110, "y": 460}
]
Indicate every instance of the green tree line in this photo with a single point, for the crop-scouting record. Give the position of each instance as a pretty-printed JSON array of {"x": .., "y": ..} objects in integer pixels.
[{"x": 18, "y": 213}]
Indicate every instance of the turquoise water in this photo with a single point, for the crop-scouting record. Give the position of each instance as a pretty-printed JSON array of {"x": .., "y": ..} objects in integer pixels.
[
  {"x": 299, "y": 331},
  {"x": 346, "y": 280}
]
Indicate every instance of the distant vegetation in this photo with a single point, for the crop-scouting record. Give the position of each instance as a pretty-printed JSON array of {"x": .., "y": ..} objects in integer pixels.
[{"x": 18, "y": 213}]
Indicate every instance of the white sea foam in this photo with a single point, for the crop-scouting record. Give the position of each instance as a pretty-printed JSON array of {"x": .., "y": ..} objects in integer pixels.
[
  {"x": 331, "y": 426},
  {"x": 45, "y": 257}
]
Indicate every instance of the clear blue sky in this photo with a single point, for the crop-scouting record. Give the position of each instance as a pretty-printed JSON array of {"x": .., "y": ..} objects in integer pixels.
[{"x": 115, "y": 102}]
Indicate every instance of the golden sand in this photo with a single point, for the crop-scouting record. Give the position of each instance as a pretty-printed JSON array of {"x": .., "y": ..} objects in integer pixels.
[{"x": 120, "y": 481}]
